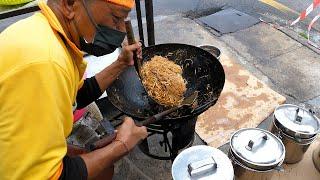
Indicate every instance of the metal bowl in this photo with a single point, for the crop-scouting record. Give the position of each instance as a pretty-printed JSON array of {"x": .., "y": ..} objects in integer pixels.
[{"x": 212, "y": 49}]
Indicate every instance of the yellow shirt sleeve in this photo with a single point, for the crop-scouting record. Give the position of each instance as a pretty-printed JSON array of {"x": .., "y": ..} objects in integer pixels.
[{"x": 35, "y": 119}]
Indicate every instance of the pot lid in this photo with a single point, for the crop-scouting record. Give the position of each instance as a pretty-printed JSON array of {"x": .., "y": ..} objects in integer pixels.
[
  {"x": 257, "y": 148},
  {"x": 297, "y": 120},
  {"x": 202, "y": 162}
]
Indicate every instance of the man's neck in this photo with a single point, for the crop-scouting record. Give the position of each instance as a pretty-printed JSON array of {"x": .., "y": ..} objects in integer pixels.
[{"x": 63, "y": 22}]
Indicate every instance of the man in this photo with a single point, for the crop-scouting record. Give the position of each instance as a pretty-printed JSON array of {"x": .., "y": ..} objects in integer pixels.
[{"x": 41, "y": 67}]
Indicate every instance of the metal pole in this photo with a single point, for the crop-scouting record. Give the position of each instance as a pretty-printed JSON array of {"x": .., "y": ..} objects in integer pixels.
[
  {"x": 139, "y": 19},
  {"x": 19, "y": 12},
  {"x": 150, "y": 21}
]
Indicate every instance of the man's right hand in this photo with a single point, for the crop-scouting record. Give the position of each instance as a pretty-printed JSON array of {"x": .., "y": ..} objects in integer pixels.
[
  {"x": 103, "y": 159},
  {"x": 130, "y": 134}
]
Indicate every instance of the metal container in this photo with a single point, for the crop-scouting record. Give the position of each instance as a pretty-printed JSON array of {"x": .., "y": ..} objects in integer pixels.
[
  {"x": 212, "y": 49},
  {"x": 255, "y": 154},
  {"x": 202, "y": 162},
  {"x": 316, "y": 158},
  {"x": 297, "y": 128}
]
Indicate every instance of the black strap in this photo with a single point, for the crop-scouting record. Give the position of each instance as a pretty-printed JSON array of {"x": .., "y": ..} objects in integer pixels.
[
  {"x": 74, "y": 168},
  {"x": 89, "y": 92}
]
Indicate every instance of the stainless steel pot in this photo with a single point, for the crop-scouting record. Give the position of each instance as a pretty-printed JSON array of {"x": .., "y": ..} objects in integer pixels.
[
  {"x": 202, "y": 162},
  {"x": 255, "y": 154},
  {"x": 297, "y": 128},
  {"x": 316, "y": 158},
  {"x": 295, "y": 147}
]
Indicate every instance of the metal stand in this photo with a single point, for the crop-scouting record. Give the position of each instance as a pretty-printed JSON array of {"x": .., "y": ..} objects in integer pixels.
[
  {"x": 182, "y": 136},
  {"x": 149, "y": 20},
  {"x": 168, "y": 147},
  {"x": 19, "y": 12}
]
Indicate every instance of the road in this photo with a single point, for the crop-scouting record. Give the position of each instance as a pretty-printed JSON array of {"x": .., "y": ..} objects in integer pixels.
[
  {"x": 282, "y": 9},
  {"x": 279, "y": 11},
  {"x": 282, "y": 12}
]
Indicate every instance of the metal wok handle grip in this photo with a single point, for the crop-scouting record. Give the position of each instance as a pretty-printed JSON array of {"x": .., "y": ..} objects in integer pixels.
[
  {"x": 257, "y": 140},
  {"x": 202, "y": 167},
  {"x": 102, "y": 142}
]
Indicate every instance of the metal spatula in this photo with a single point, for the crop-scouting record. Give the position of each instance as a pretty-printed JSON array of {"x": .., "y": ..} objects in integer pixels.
[
  {"x": 131, "y": 40},
  {"x": 188, "y": 101}
]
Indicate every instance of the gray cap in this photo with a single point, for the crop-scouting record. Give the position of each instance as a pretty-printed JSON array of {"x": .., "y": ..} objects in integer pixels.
[
  {"x": 296, "y": 121},
  {"x": 203, "y": 163}
]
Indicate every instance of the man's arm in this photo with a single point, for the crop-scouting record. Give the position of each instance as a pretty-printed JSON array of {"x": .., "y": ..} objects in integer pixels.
[
  {"x": 89, "y": 92},
  {"x": 100, "y": 162},
  {"x": 125, "y": 59},
  {"x": 128, "y": 135},
  {"x": 73, "y": 168},
  {"x": 93, "y": 87}
]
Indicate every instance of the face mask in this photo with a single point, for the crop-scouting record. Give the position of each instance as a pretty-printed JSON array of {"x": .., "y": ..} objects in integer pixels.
[{"x": 105, "y": 41}]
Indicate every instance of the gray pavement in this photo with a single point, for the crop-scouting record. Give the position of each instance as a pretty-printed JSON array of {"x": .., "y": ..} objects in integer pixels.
[
  {"x": 277, "y": 11},
  {"x": 294, "y": 69},
  {"x": 283, "y": 63}
]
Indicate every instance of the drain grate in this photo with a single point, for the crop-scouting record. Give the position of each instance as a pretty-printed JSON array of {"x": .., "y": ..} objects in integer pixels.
[{"x": 229, "y": 20}]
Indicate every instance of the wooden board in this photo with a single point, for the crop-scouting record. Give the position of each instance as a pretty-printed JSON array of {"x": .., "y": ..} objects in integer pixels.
[
  {"x": 304, "y": 170},
  {"x": 244, "y": 102}
]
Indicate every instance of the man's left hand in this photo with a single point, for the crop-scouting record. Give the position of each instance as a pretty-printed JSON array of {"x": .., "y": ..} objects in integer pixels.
[{"x": 126, "y": 56}]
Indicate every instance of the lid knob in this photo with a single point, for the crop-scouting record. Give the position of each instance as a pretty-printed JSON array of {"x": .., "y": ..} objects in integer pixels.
[
  {"x": 202, "y": 167},
  {"x": 297, "y": 118},
  {"x": 261, "y": 138}
]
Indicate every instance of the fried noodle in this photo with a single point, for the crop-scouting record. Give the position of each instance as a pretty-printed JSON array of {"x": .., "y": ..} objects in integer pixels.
[{"x": 163, "y": 81}]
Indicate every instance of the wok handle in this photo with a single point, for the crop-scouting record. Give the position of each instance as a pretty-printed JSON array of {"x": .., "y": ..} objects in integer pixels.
[
  {"x": 102, "y": 142},
  {"x": 107, "y": 140},
  {"x": 158, "y": 117},
  {"x": 74, "y": 150}
]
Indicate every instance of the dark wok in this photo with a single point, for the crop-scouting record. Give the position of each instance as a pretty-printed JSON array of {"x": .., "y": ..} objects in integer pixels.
[{"x": 201, "y": 69}]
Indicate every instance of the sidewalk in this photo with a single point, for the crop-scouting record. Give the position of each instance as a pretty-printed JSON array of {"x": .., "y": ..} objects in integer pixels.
[{"x": 282, "y": 63}]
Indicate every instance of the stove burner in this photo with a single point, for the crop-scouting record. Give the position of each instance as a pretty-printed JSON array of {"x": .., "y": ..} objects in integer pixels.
[{"x": 174, "y": 138}]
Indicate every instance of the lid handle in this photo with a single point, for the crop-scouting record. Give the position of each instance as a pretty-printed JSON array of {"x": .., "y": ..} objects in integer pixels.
[
  {"x": 256, "y": 141},
  {"x": 202, "y": 167},
  {"x": 297, "y": 118},
  {"x": 312, "y": 111}
]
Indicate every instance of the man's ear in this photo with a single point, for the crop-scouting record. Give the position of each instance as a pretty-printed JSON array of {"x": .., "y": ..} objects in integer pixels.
[{"x": 67, "y": 8}]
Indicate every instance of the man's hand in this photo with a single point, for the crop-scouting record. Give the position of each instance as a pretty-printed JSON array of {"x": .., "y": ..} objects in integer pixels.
[
  {"x": 130, "y": 134},
  {"x": 101, "y": 160},
  {"x": 125, "y": 59},
  {"x": 126, "y": 56}
]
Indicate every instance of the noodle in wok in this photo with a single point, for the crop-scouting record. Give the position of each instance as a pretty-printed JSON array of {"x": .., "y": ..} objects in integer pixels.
[{"x": 163, "y": 81}]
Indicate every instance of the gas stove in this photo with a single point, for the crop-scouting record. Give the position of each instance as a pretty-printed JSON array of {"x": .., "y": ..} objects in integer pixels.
[{"x": 164, "y": 140}]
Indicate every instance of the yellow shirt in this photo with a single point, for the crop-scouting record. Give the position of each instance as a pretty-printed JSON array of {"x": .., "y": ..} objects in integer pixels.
[{"x": 40, "y": 74}]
